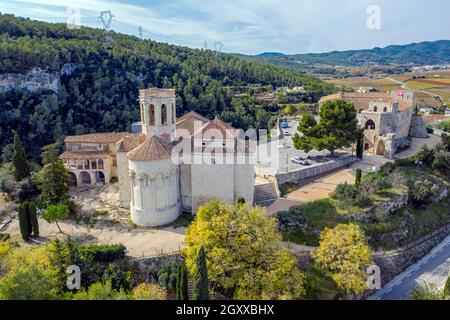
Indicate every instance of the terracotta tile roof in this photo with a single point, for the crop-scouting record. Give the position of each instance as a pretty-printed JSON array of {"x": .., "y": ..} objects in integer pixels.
[
  {"x": 152, "y": 149},
  {"x": 131, "y": 142},
  {"x": 190, "y": 120},
  {"x": 223, "y": 127},
  {"x": 194, "y": 115},
  {"x": 362, "y": 100},
  {"x": 110, "y": 137},
  {"x": 84, "y": 155},
  {"x": 435, "y": 118}
]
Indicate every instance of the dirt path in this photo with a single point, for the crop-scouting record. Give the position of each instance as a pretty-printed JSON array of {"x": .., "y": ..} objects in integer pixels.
[{"x": 139, "y": 242}]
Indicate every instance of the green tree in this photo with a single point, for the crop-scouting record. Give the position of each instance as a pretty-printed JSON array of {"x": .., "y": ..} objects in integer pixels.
[
  {"x": 425, "y": 155},
  {"x": 24, "y": 223},
  {"x": 360, "y": 148},
  {"x": 182, "y": 282},
  {"x": 245, "y": 254},
  {"x": 442, "y": 161},
  {"x": 20, "y": 162},
  {"x": 345, "y": 253},
  {"x": 358, "y": 178},
  {"x": 34, "y": 218},
  {"x": 201, "y": 284},
  {"x": 54, "y": 182},
  {"x": 55, "y": 213},
  {"x": 337, "y": 128}
]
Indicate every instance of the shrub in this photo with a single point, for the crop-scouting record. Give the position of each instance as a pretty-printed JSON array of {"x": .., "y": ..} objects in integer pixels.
[
  {"x": 405, "y": 162},
  {"x": 345, "y": 194},
  {"x": 149, "y": 292},
  {"x": 358, "y": 178},
  {"x": 102, "y": 253},
  {"x": 167, "y": 276},
  {"x": 425, "y": 155},
  {"x": 422, "y": 191},
  {"x": 442, "y": 161},
  {"x": 4, "y": 237}
]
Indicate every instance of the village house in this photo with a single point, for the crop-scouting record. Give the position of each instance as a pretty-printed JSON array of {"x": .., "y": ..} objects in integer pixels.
[{"x": 156, "y": 182}]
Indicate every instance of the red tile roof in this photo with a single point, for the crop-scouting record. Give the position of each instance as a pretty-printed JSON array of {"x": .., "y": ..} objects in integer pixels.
[
  {"x": 110, "y": 137},
  {"x": 152, "y": 149}
]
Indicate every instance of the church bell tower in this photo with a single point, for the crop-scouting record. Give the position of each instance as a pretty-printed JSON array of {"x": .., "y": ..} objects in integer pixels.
[{"x": 158, "y": 113}]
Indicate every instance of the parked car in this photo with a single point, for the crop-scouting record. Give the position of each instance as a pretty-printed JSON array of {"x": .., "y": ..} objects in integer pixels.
[
  {"x": 284, "y": 125},
  {"x": 287, "y": 133},
  {"x": 301, "y": 161}
]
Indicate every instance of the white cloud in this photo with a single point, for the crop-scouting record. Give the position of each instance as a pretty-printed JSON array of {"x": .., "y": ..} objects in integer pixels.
[{"x": 253, "y": 26}]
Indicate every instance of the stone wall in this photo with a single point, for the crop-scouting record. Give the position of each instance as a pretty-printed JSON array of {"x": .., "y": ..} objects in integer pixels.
[
  {"x": 393, "y": 264},
  {"x": 155, "y": 263},
  {"x": 418, "y": 128},
  {"x": 300, "y": 175},
  {"x": 390, "y": 206}
]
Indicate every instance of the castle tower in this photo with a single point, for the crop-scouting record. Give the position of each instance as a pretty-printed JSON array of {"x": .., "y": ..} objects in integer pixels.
[{"x": 158, "y": 113}]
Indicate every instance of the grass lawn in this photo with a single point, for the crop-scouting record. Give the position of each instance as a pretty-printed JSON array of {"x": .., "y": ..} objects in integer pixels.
[{"x": 414, "y": 222}]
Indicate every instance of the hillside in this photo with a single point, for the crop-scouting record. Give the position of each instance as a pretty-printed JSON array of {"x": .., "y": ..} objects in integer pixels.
[
  {"x": 99, "y": 82},
  {"x": 424, "y": 53}
]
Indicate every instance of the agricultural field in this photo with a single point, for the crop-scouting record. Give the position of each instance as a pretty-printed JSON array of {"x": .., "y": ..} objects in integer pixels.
[
  {"x": 382, "y": 84},
  {"x": 438, "y": 86}
]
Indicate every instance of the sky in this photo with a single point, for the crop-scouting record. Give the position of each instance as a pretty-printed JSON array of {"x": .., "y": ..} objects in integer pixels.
[{"x": 256, "y": 26}]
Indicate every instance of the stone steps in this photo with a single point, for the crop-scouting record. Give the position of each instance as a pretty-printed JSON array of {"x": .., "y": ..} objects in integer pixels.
[{"x": 265, "y": 193}]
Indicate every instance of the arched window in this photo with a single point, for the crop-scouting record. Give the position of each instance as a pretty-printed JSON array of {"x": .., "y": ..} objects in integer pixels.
[
  {"x": 370, "y": 125},
  {"x": 174, "y": 114},
  {"x": 151, "y": 114},
  {"x": 101, "y": 164},
  {"x": 164, "y": 114},
  {"x": 385, "y": 109},
  {"x": 375, "y": 109}
]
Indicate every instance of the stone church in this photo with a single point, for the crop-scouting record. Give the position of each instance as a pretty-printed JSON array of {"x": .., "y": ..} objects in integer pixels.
[
  {"x": 155, "y": 180},
  {"x": 388, "y": 119}
]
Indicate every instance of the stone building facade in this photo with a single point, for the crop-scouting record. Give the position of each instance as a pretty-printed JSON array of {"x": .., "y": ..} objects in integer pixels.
[
  {"x": 163, "y": 170},
  {"x": 387, "y": 119}
]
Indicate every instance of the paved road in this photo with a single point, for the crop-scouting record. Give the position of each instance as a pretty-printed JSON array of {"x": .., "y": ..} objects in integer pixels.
[{"x": 433, "y": 268}]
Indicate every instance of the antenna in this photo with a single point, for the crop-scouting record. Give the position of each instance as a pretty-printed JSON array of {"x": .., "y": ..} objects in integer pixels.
[{"x": 140, "y": 32}]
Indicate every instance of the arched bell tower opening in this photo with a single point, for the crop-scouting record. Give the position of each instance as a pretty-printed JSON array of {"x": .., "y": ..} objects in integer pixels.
[{"x": 158, "y": 113}]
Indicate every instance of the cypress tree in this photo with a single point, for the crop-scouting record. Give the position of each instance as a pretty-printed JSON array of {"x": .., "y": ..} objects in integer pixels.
[
  {"x": 23, "y": 223},
  {"x": 34, "y": 219},
  {"x": 360, "y": 148},
  {"x": 201, "y": 285},
  {"x": 358, "y": 178},
  {"x": 20, "y": 163},
  {"x": 182, "y": 283}
]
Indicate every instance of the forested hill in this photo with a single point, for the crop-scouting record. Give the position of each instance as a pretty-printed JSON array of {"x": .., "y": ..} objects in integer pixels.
[
  {"x": 99, "y": 92},
  {"x": 423, "y": 53}
]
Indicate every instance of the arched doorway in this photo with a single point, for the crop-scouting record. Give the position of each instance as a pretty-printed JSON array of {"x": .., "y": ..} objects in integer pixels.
[
  {"x": 370, "y": 125},
  {"x": 100, "y": 177},
  {"x": 85, "y": 179},
  {"x": 73, "y": 179},
  {"x": 381, "y": 148},
  {"x": 366, "y": 147}
]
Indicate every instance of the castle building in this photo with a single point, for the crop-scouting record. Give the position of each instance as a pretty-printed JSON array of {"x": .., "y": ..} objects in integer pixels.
[
  {"x": 388, "y": 119},
  {"x": 163, "y": 170}
]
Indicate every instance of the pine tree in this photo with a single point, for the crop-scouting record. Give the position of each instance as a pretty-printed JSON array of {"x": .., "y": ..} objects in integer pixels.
[
  {"x": 201, "y": 285},
  {"x": 182, "y": 282},
  {"x": 34, "y": 219},
  {"x": 54, "y": 183},
  {"x": 358, "y": 178},
  {"x": 23, "y": 223},
  {"x": 20, "y": 162}
]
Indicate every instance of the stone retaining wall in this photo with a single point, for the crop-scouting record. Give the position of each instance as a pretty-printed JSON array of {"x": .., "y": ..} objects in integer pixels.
[{"x": 154, "y": 263}]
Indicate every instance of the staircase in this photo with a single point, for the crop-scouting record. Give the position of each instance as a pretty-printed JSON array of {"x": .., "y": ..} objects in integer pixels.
[
  {"x": 190, "y": 288},
  {"x": 265, "y": 194}
]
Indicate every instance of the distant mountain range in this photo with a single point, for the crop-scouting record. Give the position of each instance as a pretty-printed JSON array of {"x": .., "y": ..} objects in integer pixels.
[{"x": 423, "y": 53}]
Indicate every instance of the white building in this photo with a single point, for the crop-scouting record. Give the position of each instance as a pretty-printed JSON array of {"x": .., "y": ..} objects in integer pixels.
[{"x": 173, "y": 165}]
